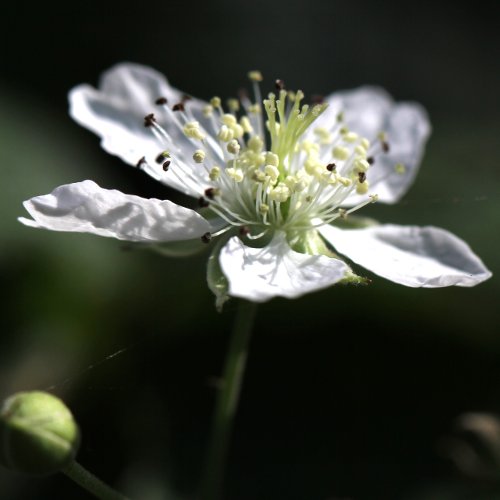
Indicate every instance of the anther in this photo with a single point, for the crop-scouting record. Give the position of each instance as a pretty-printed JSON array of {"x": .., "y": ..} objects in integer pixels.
[
  {"x": 161, "y": 100},
  {"x": 202, "y": 202},
  {"x": 317, "y": 99},
  {"x": 206, "y": 238},
  {"x": 178, "y": 107},
  {"x": 331, "y": 167},
  {"x": 162, "y": 156},
  {"x": 185, "y": 98},
  {"x": 279, "y": 84},
  {"x": 211, "y": 193},
  {"x": 255, "y": 76},
  {"x": 149, "y": 120},
  {"x": 244, "y": 230},
  {"x": 385, "y": 146},
  {"x": 141, "y": 162},
  {"x": 362, "y": 177},
  {"x": 370, "y": 160},
  {"x": 166, "y": 165}
]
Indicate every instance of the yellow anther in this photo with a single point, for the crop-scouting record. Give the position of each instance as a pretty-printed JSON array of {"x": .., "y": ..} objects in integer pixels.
[
  {"x": 255, "y": 76},
  {"x": 225, "y": 134},
  {"x": 272, "y": 159},
  {"x": 233, "y": 147},
  {"x": 310, "y": 165},
  {"x": 317, "y": 109},
  {"x": 309, "y": 147},
  {"x": 215, "y": 102},
  {"x": 382, "y": 136},
  {"x": 233, "y": 104},
  {"x": 259, "y": 176},
  {"x": 272, "y": 172},
  {"x": 340, "y": 153},
  {"x": 235, "y": 173},
  {"x": 400, "y": 168},
  {"x": 245, "y": 123},
  {"x": 208, "y": 111},
  {"x": 280, "y": 193},
  {"x": 340, "y": 116},
  {"x": 365, "y": 143},
  {"x": 291, "y": 95},
  {"x": 343, "y": 130},
  {"x": 263, "y": 208},
  {"x": 351, "y": 137},
  {"x": 344, "y": 181},
  {"x": 199, "y": 156},
  {"x": 228, "y": 119},
  {"x": 362, "y": 187},
  {"x": 323, "y": 135},
  {"x": 214, "y": 173},
  {"x": 192, "y": 130},
  {"x": 361, "y": 166},
  {"x": 254, "y": 109},
  {"x": 374, "y": 197},
  {"x": 237, "y": 130},
  {"x": 255, "y": 143},
  {"x": 360, "y": 150}
]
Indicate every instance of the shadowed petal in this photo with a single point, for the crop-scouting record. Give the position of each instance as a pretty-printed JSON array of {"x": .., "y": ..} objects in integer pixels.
[
  {"x": 116, "y": 111},
  {"x": 370, "y": 110},
  {"x": 84, "y": 207},
  {"x": 259, "y": 274},
  {"x": 413, "y": 256}
]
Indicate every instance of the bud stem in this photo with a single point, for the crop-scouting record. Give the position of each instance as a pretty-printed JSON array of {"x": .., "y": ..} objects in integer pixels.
[
  {"x": 227, "y": 401},
  {"x": 91, "y": 483}
]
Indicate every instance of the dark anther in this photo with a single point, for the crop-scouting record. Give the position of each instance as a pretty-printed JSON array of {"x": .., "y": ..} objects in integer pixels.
[
  {"x": 242, "y": 94},
  {"x": 331, "y": 167},
  {"x": 203, "y": 202},
  {"x": 149, "y": 120},
  {"x": 317, "y": 99},
  {"x": 206, "y": 238},
  {"x": 370, "y": 160},
  {"x": 279, "y": 84},
  {"x": 244, "y": 230},
  {"x": 161, "y": 100},
  {"x": 141, "y": 162},
  {"x": 361, "y": 177},
  {"x": 178, "y": 107},
  {"x": 185, "y": 98},
  {"x": 166, "y": 165},
  {"x": 385, "y": 146},
  {"x": 210, "y": 193},
  {"x": 161, "y": 157}
]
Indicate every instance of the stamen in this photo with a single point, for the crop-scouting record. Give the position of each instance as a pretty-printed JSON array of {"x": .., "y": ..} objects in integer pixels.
[
  {"x": 178, "y": 107},
  {"x": 149, "y": 120},
  {"x": 161, "y": 101},
  {"x": 166, "y": 165},
  {"x": 206, "y": 238}
]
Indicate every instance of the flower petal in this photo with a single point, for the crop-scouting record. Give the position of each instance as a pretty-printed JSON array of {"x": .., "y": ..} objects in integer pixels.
[
  {"x": 413, "y": 256},
  {"x": 259, "y": 274},
  {"x": 84, "y": 207},
  {"x": 370, "y": 110},
  {"x": 127, "y": 93}
]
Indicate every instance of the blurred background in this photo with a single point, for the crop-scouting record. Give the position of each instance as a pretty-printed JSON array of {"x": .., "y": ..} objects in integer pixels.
[{"x": 352, "y": 393}]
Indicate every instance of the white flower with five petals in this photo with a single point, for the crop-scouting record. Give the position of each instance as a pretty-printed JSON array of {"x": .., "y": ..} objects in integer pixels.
[{"x": 277, "y": 180}]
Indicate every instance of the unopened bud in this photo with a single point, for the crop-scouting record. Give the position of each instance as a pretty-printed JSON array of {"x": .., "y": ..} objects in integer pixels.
[{"x": 38, "y": 434}]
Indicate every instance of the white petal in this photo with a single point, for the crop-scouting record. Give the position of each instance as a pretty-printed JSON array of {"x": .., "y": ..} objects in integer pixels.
[
  {"x": 116, "y": 111},
  {"x": 84, "y": 207},
  {"x": 259, "y": 274},
  {"x": 370, "y": 110},
  {"x": 413, "y": 256}
]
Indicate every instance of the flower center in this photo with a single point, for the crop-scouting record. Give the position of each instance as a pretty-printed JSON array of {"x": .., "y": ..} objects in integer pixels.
[{"x": 264, "y": 164}]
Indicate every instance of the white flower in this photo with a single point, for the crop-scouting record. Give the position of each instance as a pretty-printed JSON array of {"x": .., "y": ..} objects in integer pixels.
[{"x": 278, "y": 201}]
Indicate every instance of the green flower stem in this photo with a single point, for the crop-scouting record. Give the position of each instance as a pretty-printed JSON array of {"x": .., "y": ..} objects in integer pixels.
[
  {"x": 91, "y": 483},
  {"x": 227, "y": 401}
]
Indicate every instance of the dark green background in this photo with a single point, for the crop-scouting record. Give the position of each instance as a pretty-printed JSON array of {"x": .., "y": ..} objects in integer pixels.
[{"x": 350, "y": 392}]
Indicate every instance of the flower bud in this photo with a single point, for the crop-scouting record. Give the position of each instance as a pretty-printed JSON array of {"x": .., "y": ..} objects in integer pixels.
[{"x": 38, "y": 434}]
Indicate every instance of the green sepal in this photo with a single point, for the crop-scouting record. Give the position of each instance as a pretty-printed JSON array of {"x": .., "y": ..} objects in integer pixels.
[
  {"x": 353, "y": 279},
  {"x": 216, "y": 279}
]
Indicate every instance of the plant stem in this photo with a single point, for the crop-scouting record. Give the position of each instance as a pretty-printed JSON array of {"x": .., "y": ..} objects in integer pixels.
[
  {"x": 227, "y": 401},
  {"x": 91, "y": 483}
]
